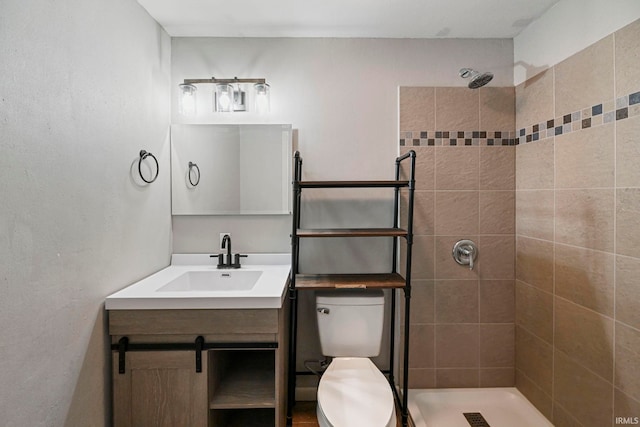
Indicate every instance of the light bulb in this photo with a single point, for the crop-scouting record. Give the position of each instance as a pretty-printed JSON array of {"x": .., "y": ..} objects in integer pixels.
[
  {"x": 224, "y": 101},
  {"x": 262, "y": 101},
  {"x": 187, "y": 100},
  {"x": 224, "y": 98}
]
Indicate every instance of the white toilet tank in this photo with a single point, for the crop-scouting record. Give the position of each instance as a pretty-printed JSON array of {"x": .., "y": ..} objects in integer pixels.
[{"x": 350, "y": 322}]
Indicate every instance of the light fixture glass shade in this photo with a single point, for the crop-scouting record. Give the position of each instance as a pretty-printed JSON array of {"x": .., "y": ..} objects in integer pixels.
[
  {"x": 262, "y": 101},
  {"x": 187, "y": 100},
  {"x": 223, "y": 100}
]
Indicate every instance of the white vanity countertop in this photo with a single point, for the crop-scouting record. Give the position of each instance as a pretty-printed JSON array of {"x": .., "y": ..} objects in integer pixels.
[{"x": 268, "y": 291}]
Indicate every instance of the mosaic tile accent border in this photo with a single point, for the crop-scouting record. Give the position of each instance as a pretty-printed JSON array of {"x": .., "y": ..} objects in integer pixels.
[
  {"x": 607, "y": 112},
  {"x": 596, "y": 115},
  {"x": 454, "y": 138}
]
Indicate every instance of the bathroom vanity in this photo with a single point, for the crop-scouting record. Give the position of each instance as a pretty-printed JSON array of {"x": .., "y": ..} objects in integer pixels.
[{"x": 195, "y": 346}]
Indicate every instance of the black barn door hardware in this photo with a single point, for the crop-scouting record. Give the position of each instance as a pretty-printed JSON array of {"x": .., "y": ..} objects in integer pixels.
[
  {"x": 198, "y": 346},
  {"x": 122, "y": 345}
]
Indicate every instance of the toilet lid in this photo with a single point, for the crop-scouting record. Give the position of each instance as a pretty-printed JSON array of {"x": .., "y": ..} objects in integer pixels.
[{"x": 354, "y": 393}]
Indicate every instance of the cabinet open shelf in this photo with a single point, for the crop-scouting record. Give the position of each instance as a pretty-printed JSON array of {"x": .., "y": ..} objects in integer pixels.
[{"x": 242, "y": 379}]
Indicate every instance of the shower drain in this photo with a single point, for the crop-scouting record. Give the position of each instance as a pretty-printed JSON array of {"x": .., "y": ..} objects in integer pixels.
[{"x": 475, "y": 419}]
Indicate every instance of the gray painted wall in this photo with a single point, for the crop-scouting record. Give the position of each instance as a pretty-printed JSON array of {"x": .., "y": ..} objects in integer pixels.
[{"x": 85, "y": 87}]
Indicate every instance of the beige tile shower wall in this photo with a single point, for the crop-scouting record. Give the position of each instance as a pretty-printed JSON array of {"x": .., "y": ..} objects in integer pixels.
[
  {"x": 462, "y": 321},
  {"x": 578, "y": 235}
]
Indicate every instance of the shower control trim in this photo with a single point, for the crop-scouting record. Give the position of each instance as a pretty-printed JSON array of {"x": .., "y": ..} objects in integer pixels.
[{"x": 465, "y": 252}]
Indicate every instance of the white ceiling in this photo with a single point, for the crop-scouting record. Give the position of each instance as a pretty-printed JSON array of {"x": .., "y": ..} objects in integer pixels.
[{"x": 346, "y": 18}]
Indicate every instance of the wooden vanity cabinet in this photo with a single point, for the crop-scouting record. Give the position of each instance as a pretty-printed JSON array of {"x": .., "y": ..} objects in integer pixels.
[{"x": 242, "y": 380}]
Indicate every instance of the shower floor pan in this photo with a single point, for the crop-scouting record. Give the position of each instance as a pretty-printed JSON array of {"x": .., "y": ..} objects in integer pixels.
[{"x": 500, "y": 407}]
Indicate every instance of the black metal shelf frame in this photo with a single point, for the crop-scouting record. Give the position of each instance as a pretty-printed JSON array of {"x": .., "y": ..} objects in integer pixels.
[{"x": 298, "y": 185}]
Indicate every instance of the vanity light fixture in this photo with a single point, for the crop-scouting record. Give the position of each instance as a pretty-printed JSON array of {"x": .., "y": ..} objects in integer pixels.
[{"x": 228, "y": 95}]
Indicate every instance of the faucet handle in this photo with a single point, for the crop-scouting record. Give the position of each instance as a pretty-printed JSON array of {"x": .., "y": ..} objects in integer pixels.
[
  {"x": 236, "y": 261},
  {"x": 220, "y": 259}
]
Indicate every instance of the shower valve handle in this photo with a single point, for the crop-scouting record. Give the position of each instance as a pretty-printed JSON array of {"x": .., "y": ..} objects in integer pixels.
[{"x": 465, "y": 252}]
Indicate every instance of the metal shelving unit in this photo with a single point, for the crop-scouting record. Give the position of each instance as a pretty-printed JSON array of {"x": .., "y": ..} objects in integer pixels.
[{"x": 392, "y": 280}]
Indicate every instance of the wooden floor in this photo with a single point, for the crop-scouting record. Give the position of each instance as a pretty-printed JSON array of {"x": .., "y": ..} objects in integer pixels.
[{"x": 304, "y": 415}]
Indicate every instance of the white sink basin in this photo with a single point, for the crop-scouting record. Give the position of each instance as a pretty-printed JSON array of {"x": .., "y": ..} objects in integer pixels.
[
  {"x": 220, "y": 280},
  {"x": 192, "y": 281}
]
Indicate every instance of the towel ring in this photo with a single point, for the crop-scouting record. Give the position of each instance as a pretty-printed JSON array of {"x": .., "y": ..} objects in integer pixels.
[
  {"x": 191, "y": 166},
  {"x": 143, "y": 155}
]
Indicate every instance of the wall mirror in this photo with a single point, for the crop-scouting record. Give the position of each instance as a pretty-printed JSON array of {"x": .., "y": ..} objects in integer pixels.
[{"x": 230, "y": 169}]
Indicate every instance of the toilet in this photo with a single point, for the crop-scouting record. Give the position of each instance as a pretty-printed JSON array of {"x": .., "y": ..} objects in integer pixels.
[{"x": 352, "y": 391}]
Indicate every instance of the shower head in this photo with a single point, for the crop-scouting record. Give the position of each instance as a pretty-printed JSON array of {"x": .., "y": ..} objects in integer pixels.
[{"x": 477, "y": 79}]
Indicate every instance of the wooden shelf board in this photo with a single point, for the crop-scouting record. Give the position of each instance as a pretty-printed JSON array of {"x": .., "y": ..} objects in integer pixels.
[
  {"x": 346, "y": 281},
  {"x": 222, "y": 404},
  {"x": 352, "y": 232},
  {"x": 353, "y": 184}
]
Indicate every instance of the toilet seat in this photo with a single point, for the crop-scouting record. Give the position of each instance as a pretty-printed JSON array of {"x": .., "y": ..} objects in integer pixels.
[{"x": 354, "y": 393}]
